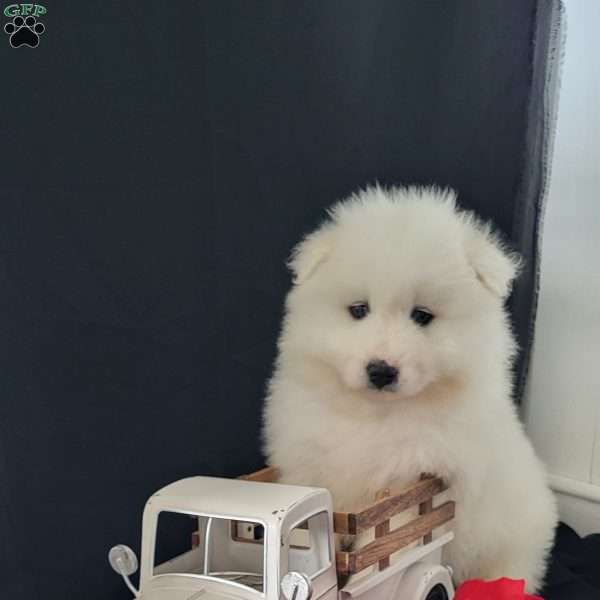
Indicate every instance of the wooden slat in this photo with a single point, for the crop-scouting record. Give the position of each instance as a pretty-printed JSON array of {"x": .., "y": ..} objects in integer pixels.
[
  {"x": 401, "y": 537},
  {"x": 353, "y": 523},
  {"x": 344, "y": 523},
  {"x": 382, "y": 530},
  {"x": 396, "y": 540},
  {"x": 345, "y": 563},
  {"x": 424, "y": 508},
  {"x": 266, "y": 475}
]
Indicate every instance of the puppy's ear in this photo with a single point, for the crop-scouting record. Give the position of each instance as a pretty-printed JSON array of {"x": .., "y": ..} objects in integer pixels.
[
  {"x": 310, "y": 253},
  {"x": 494, "y": 266}
]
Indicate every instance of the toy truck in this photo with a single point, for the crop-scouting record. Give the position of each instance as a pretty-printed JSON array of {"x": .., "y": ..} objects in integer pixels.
[{"x": 255, "y": 539}]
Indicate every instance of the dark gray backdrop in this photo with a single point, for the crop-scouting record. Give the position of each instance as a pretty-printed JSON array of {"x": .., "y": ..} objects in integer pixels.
[{"x": 159, "y": 160}]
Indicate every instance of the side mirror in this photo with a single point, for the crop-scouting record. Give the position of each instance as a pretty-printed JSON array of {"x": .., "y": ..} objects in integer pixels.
[
  {"x": 124, "y": 561},
  {"x": 296, "y": 586}
]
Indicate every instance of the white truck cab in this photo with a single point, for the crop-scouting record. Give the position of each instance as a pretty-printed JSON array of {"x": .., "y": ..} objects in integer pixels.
[{"x": 261, "y": 541}]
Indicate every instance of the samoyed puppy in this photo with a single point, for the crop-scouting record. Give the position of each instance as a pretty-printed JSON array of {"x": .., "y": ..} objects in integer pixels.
[{"x": 395, "y": 359}]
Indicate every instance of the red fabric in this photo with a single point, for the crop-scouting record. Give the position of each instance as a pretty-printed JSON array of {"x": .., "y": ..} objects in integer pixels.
[{"x": 500, "y": 589}]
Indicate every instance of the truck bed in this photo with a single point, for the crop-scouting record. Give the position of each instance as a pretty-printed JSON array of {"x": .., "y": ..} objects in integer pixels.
[{"x": 377, "y": 516}]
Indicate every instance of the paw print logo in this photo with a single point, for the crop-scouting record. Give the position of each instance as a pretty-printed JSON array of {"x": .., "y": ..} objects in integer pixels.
[{"x": 24, "y": 32}]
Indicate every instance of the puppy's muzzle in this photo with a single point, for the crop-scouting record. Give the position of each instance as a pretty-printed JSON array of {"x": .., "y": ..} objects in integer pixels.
[{"x": 381, "y": 374}]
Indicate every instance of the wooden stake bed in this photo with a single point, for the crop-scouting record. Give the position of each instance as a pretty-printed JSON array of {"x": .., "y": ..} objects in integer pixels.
[{"x": 378, "y": 515}]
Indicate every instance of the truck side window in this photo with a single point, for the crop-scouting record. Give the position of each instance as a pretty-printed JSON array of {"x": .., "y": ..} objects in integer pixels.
[{"x": 308, "y": 545}]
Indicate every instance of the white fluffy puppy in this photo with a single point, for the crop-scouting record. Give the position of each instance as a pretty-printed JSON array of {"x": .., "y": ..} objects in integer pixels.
[{"x": 394, "y": 359}]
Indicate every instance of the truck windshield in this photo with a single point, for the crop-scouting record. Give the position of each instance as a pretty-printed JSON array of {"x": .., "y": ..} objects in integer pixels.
[{"x": 217, "y": 548}]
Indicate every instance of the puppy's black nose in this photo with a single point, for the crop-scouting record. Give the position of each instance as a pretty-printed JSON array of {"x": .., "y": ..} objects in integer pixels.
[{"x": 381, "y": 374}]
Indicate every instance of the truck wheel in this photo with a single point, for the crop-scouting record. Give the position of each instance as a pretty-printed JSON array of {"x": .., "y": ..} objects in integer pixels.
[{"x": 437, "y": 592}]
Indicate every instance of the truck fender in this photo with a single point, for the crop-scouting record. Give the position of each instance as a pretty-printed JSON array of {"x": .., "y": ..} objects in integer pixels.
[{"x": 421, "y": 579}]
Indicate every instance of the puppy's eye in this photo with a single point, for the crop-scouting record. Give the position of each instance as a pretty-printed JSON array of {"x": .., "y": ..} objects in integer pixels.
[
  {"x": 359, "y": 310},
  {"x": 421, "y": 316}
]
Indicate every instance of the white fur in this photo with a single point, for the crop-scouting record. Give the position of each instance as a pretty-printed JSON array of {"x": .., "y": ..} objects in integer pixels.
[{"x": 452, "y": 412}]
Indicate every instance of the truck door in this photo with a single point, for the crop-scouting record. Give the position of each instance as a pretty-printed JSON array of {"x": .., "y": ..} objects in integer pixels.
[{"x": 309, "y": 549}]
